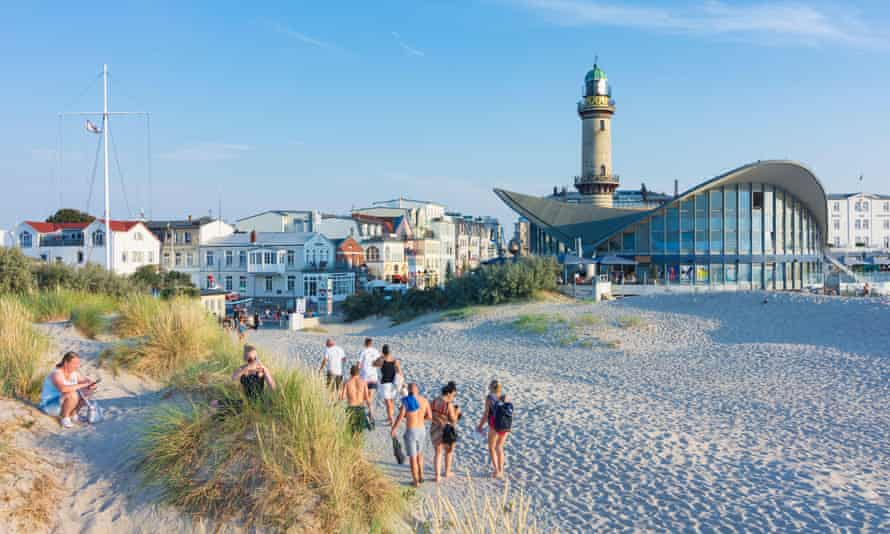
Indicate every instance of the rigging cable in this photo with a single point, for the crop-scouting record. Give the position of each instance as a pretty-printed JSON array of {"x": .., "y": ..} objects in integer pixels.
[
  {"x": 120, "y": 174},
  {"x": 148, "y": 164},
  {"x": 93, "y": 177}
]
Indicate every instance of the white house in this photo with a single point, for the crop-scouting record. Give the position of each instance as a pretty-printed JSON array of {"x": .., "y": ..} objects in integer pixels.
[
  {"x": 280, "y": 221},
  {"x": 274, "y": 268},
  {"x": 859, "y": 220},
  {"x": 76, "y": 244},
  {"x": 181, "y": 240}
]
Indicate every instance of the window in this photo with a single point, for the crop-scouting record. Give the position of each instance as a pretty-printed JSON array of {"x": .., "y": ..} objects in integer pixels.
[
  {"x": 25, "y": 240},
  {"x": 151, "y": 256},
  {"x": 887, "y": 242},
  {"x": 44, "y": 258},
  {"x": 701, "y": 223},
  {"x": 858, "y": 224},
  {"x": 291, "y": 283},
  {"x": 58, "y": 259},
  {"x": 373, "y": 254},
  {"x": 187, "y": 237},
  {"x": 887, "y": 206},
  {"x": 166, "y": 259},
  {"x": 865, "y": 205},
  {"x": 865, "y": 224},
  {"x": 242, "y": 284},
  {"x": 687, "y": 226},
  {"x": 628, "y": 241},
  {"x": 701, "y": 274},
  {"x": 137, "y": 236},
  {"x": 269, "y": 258},
  {"x": 837, "y": 224},
  {"x": 242, "y": 258},
  {"x": 887, "y": 224},
  {"x": 178, "y": 259},
  {"x": 98, "y": 238},
  {"x": 657, "y": 241},
  {"x": 228, "y": 283},
  {"x": 79, "y": 256},
  {"x": 602, "y": 125},
  {"x": 268, "y": 284},
  {"x": 208, "y": 258},
  {"x": 716, "y": 222},
  {"x": 837, "y": 207},
  {"x": 757, "y": 200},
  {"x": 123, "y": 257},
  {"x": 290, "y": 257},
  {"x": 137, "y": 256},
  {"x": 602, "y": 170},
  {"x": 230, "y": 258},
  {"x": 189, "y": 259}
]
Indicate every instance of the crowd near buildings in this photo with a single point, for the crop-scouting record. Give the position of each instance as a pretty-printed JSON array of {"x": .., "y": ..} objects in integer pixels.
[{"x": 277, "y": 256}]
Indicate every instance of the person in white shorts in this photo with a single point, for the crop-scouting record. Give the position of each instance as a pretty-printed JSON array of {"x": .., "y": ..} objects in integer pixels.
[
  {"x": 366, "y": 360},
  {"x": 390, "y": 369},
  {"x": 333, "y": 360}
]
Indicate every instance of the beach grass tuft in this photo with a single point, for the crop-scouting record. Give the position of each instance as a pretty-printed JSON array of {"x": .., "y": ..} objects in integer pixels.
[
  {"x": 58, "y": 305},
  {"x": 460, "y": 314},
  {"x": 532, "y": 323},
  {"x": 135, "y": 315},
  {"x": 287, "y": 462},
  {"x": 479, "y": 514},
  {"x": 23, "y": 351}
]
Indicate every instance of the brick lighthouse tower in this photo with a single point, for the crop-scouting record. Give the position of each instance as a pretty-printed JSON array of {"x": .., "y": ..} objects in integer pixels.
[{"x": 596, "y": 182}]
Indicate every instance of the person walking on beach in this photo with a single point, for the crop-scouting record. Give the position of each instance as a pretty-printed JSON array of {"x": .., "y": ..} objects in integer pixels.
[
  {"x": 415, "y": 410},
  {"x": 443, "y": 429},
  {"x": 498, "y": 415},
  {"x": 390, "y": 368},
  {"x": 366, "y": 360},
  {"x": 356, "y": 394},
  {"x": 62, "y": 393},
  {"x": 242, "y": 329},
  {"x": 333, "y": 359}
]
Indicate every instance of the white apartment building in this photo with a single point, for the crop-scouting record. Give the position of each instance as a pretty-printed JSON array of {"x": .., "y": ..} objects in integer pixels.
[
  {"x": 274, "y": 268},
  {"x": 181, "y": 240},
  {"x": 280, "y": 221},
  {"x": 859, "y": 221},
  {"x": 77, "y": 244}
]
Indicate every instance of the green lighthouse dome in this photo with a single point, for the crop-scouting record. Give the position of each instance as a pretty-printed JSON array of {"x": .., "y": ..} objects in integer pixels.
[{"x": 595, "y": 74}]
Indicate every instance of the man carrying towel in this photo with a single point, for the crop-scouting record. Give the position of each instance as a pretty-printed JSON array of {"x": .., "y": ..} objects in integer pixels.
[{"x": 415, "y": 410}]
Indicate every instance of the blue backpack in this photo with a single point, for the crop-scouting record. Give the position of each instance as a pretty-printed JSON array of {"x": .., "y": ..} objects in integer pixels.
[{"x": 503, "y": 415}]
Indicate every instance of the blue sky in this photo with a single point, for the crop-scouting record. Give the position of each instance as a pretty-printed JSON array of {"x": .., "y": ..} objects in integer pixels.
[{"x": 311, "y": 104}]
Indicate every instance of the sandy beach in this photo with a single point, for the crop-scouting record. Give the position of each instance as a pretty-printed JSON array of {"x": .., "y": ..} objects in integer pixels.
[{"x": 685, "y": 412}]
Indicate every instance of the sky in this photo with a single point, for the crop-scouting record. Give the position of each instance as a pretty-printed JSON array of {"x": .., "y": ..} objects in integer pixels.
[{"x": 330, "y": 106}]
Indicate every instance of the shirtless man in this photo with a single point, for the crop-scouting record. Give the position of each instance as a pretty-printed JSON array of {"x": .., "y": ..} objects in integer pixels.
[
  {"x": 414, "y": 410},
  {"x": 355, "y": 393}
]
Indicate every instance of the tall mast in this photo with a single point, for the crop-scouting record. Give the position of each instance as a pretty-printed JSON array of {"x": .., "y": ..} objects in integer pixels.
[{"x": 105, "y": 146}]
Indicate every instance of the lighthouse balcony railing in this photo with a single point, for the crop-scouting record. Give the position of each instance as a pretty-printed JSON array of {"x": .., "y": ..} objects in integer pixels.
[{"x": 596, "y": 178}]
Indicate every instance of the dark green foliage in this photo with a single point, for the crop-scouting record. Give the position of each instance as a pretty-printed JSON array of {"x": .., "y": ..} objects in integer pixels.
[
  {"x": 168, "y": 283},
  {"x": 89, "y": 278},
  {"x": 70, "y": 215},
  {"x": 487, "y": 285},
  {"x": 15, "y": 272}
]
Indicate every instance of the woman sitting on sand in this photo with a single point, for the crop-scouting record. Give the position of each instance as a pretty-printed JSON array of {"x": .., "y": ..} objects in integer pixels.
[
  {"x": 59, "y": 396},
  {"x": 497, "y": 437},
  {"x": 443, "y": 429},
  {"x": 253, "y": 375}
]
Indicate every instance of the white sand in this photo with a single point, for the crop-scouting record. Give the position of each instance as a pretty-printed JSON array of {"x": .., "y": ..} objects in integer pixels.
[{"x": 718, "y": 412}]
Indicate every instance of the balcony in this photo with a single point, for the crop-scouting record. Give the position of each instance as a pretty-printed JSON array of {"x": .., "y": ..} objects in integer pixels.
[
  {"x": 267, "y": 262},
  {"x": 597, "y": 179},
  {"x": 61, "y": 241}
]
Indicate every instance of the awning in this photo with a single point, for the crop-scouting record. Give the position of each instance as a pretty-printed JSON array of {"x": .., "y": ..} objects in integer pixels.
[
  {"x": 615, "y": 260},
  {"x": 571, "y": 259}
]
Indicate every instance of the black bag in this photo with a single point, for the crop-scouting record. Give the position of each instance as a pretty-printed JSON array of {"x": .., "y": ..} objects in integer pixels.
[
  {"x": 397, "y": 450},
  {"x": 503, "y": 415},
  {"x": 449, "y": 434}
]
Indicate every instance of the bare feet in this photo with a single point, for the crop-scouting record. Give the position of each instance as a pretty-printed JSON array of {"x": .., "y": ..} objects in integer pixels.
[
  {"x": 415, "y": 483},
  {"x": 449, "y": 474},
  {"x": 437, "y": 477},
  {"x": 495, "y": 474}
]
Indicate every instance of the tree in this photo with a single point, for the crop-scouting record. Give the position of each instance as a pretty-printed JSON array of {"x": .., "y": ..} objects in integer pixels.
[{"x": 70, "y": 215}]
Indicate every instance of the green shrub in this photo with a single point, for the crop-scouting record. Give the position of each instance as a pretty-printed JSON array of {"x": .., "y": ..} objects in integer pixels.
[
  {"x": 23, "y": 352},
  {"x": 90, "y": 278},
  {"x": 15, "y": 272},
  {"x": 533, "y": 323},
  {"x": 58, "y": 305}
]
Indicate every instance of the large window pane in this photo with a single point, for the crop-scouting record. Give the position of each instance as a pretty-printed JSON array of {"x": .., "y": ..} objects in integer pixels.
[
  {"x": 730, "y": 219},
  {"x": 701, "y": 274},
  {"x": 757, "y": 275},
  {"x": 657, "y": 240},
  {"x": 731, "y": 273},
  {"x": 769, "y": 228},
  {"x": 701, "y": 224},
  {"x": 716, "y": 221},
  {"x": 757, "y": 220},
  {"x": 745, "y": 275},
  {"x": 673, "y": 230},
  {"x": 687, "y": 226},
  {"x": 744, "y": 219},
  {"x": 716, "y": 273},
  {"x": 780, "y": 222}
]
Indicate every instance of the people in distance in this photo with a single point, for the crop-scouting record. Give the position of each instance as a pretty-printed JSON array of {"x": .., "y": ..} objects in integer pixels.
[{"x": 333, "y": 364}]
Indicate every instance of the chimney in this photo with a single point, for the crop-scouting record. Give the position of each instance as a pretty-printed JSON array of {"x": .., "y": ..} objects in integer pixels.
[
  {"x": 676, "y": 188},
  {"x": 253, "y": 236}
]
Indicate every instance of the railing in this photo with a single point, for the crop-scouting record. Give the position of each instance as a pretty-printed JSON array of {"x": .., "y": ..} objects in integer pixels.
[
  {"x": 592, "y": 179},
  {"x": 272, "y": 268},
  {"x": 57, "y": 241}
]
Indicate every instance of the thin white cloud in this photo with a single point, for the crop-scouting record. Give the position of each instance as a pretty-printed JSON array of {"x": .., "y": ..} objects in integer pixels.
[
  {"x": 299, "y": 36},
  {"x": 410, "y": 50},
  {"x": 206, "y": 152},
  {"x": 778, "y": 20}
]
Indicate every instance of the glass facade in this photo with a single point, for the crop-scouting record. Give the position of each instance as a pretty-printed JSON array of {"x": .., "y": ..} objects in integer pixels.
[{"x": 747, "y": 235}]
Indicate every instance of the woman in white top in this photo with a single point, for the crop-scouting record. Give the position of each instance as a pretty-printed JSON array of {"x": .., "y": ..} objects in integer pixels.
[{"x": 59, "y": 396}]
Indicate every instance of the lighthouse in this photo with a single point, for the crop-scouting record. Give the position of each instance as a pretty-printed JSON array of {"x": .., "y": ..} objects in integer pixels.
[{"x": 596, "y": 183}]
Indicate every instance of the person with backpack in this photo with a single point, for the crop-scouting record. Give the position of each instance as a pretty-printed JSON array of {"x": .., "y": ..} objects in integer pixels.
[{"x": 498, "y": 415}]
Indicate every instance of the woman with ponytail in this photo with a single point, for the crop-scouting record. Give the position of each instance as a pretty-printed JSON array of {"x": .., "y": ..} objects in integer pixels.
[{"x": 59, "y": 396}]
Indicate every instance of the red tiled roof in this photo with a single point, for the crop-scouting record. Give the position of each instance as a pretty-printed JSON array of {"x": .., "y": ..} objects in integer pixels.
[
  {"x": 386, "y": 223},
  {"x": 45, "y": 227},
  {"x": 121, "y": 226}
]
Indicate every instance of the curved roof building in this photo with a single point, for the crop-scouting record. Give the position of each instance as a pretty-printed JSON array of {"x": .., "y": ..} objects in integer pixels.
[{"x": 762, "y": 225}]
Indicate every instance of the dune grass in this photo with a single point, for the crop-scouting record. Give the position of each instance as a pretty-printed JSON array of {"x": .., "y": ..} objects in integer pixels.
[
  {"x": 479, "y": 514},
  {"x": 29, "y": 489},
  {"x": 135, "y": 315},
  {"x": 460, "y": 314},
  {"x": 533, "y": 323},
  {"x": 23, "y": 352},
  {"x": 287, "y": 463},
  {"x": 57, "y": 305},
  {"x": 178, "y": 334}
]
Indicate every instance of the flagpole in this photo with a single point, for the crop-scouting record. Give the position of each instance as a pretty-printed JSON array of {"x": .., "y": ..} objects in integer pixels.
[{"x": 105, "y": 146}]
